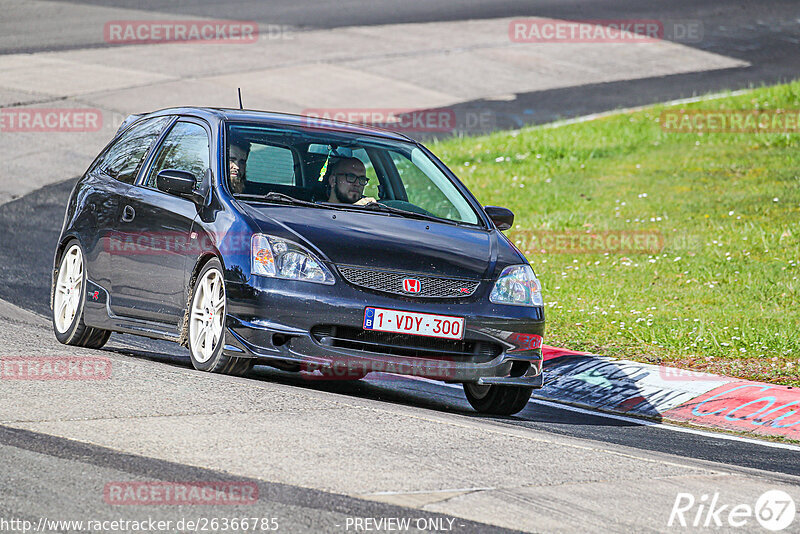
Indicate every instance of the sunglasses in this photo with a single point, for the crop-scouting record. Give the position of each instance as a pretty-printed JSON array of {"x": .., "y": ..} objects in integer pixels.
[{"x": 351, "y": 178}]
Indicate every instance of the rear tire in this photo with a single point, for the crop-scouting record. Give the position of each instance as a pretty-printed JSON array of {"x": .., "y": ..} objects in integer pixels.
[
  {"x": 497, "y": 400},
  {"x": 69, "y": 298},
  {"x": 206, "y": 329}
]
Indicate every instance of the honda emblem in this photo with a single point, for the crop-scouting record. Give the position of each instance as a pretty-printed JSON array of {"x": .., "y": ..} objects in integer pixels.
[{"x": 411, "y": 285}]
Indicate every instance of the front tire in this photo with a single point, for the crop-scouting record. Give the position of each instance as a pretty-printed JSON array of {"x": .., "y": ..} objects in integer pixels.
[
  {"x": 206, "y": 335},
  {"x": 69, "y": 299},
  {"x": 497, "y": 400}
]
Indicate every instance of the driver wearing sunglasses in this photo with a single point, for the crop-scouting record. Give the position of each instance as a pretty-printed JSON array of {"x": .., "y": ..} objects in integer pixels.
[{"x": 346, "y": 180}]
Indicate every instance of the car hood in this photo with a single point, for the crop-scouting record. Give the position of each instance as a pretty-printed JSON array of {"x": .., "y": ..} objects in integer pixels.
[{"x": 380, "y": 241}]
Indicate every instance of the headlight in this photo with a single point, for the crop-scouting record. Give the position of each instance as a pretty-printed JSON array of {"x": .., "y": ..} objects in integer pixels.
[
  {"x": 517, "y": 285},
  {"x": 279, "y": 258}
]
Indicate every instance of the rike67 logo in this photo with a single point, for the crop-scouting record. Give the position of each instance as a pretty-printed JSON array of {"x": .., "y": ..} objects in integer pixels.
[{"x": 774, "y": 510}]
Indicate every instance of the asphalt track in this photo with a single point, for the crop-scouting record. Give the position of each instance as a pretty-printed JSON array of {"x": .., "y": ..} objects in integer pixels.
[
  {"x": 764, "y": 34},
  {"x": 31, "y": 458},
  {"x": 47, "y": 473},
  {"x": 30, "y": 236}
]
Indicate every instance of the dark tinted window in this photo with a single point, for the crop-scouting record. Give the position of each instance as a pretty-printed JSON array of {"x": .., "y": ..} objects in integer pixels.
[
  {"x": 270, "y": 165},
  {"x": 124, "y": 158},
  {"x": 184, "y": 149}
]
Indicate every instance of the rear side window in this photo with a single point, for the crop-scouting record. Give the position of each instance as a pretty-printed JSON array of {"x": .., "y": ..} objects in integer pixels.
[
  {"x": 185, "y": 148},
  {"x": 124, "y": 158}
]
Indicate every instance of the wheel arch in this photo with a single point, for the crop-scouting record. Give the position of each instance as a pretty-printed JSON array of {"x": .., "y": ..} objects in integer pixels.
[
  {"x": 59, "y": 254},
  {"x": 201, "y": 262}
]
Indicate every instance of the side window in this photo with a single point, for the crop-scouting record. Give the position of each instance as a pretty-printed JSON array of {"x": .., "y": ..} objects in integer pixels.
[
  {"x": 185, "y": 148},
  {"x": 124, "y": 158},
  {"x": 431, "y": 190},
  {"x": 418, "y": 187},
  {"x": 268, "y": 164}
]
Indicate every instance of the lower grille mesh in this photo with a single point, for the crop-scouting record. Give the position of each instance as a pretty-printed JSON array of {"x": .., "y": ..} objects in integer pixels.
[{"x": 405, "y": 345}]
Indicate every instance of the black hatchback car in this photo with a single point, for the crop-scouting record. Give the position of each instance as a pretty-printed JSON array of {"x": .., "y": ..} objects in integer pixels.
[{"x": 314, "y": 246}]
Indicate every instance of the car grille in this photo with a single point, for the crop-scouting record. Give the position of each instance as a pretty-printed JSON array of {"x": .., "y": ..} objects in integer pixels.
[
  {"x": 405, "y": 345},
  {"x": 392, "y": 282}
]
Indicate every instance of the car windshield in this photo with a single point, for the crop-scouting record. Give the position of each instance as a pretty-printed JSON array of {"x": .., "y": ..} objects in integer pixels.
[{"x": 340, "y": 170}]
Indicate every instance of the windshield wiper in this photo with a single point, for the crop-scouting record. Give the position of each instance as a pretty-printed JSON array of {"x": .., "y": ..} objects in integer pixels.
[
  {"x": 274, "y": 196},
  {"x": 377, "y": 206},
  {"x": 280, "y": 197}
]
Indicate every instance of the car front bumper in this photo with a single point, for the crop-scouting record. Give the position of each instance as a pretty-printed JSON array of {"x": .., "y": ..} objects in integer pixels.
[{"x": 311, "y": 326}]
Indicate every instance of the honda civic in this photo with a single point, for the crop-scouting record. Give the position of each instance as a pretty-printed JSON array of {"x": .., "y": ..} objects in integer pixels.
[{"x": 314, "y": 246}]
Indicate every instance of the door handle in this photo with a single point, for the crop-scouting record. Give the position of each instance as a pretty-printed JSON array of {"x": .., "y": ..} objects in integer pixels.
[{"x": 128, "y": 213}]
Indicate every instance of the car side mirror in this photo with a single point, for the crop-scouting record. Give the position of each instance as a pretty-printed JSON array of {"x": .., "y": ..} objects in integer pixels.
[
  {"x": 181, "y": 183},
  {"x": 503, "y": 218},
  {"x": 176, "y": 182}
]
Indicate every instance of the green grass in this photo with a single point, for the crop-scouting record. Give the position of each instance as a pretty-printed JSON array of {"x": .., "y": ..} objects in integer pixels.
[{"x": 720, "y": 296}]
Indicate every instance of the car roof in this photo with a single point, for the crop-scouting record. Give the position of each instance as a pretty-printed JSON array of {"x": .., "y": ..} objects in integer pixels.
[{"x": 273, "y": 118}]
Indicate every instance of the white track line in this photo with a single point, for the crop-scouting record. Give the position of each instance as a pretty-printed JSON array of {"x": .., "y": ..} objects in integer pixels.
[{"x": 638, "y": 421}]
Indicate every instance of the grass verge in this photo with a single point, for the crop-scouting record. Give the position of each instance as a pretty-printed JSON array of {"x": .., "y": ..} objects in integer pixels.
[{"x": 712, "y": 285}]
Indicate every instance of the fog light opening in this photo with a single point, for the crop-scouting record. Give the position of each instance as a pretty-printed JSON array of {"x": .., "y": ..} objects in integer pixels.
[
  {"x": 519, "y": 368},
  {"x": 279, "y": 340}
]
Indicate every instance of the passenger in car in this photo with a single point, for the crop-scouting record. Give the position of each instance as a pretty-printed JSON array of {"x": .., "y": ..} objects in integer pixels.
[
  {"x": 238, "y": 150},
  {"x": 346, "y": 178}
]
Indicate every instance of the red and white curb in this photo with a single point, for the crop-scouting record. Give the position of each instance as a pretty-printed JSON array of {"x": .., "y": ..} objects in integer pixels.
[{"x": 669, "y": 394}]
